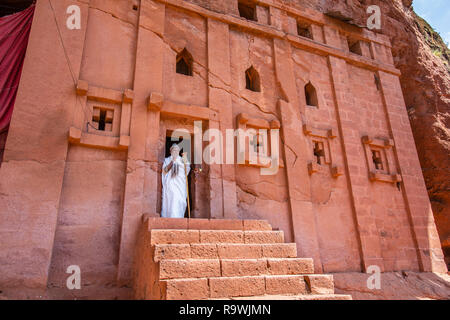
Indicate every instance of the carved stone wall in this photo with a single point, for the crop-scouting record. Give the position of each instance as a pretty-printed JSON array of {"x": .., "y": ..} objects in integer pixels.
[{"x": 87, "y": 139}]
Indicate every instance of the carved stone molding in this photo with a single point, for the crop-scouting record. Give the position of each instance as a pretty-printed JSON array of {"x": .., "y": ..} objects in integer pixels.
[
  {"x": 157, "y": 103},
  {"x": 102, "y": 117},
  {"x": 321, "y": 139},
  {"x": 380, "y": 159}
]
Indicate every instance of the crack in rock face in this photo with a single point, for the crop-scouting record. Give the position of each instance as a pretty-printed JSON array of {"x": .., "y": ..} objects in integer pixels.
[{"x": 424, "y": 60}]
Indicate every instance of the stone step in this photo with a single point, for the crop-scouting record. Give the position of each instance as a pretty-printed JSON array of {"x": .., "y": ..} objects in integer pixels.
[
  {"x": 205, "y": 224},
  {"x": 184, "y": 289},
  {"x": 224, "y": 259},
  {"x": 189, "y": 268},
  {"x": 179, "y": 236},
  {"x": 224, "y": 251},
  {"x": 199, "y": 268},
  {"x": 320, "y": 283},
  {"x": 243, "y": 286},
  {"x": 270, "y": 266}
]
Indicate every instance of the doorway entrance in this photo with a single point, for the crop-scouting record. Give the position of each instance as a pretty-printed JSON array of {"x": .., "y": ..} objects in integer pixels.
[{"x": 191, "y": 186}]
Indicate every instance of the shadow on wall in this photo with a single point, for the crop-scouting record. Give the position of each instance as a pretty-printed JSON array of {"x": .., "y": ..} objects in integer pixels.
[
  {"x": 8, "y": 7},
  {"x": 12, "y": 65},
  {"x": 3, "y": 136}
]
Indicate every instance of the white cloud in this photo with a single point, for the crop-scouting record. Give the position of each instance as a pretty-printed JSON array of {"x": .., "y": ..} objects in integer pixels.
[{"x": 446, "y": 38}]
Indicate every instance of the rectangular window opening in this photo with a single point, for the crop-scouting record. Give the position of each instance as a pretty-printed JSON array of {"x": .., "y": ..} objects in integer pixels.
[
  {"x": 304, "y": 30},
  {"x": 102, "y": 119},
  {"x": 377, "y": 160},
  {"x": 247, "y": 10},
  {"x": 319, "y": 153},
  {"x": 354, "y": 46}
]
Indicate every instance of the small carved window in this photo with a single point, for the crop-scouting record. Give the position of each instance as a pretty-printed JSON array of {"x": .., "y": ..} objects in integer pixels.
[
  {"x": 252, "y": 81},
  {"x": 247, "y": 10},
  {"x": 184, "y": 63},
  {"x": 377, "y": 160},
  {"x": 304, "y": 30},
  {"x": 102, "y": 119},
  {"x": 311, "y": 95},
  {"x": 354, "y": 46},
  {"x": 258, "y": 143},
  {"x": 319, "y": 152}
]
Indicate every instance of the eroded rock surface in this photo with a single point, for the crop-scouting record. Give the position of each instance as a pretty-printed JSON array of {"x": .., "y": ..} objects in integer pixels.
[
  {"x": 423, "y": 60},
  {"x": 395, "y": 286}
]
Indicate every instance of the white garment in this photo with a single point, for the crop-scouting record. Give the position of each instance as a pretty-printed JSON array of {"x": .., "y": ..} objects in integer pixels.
[{"x": 174, "y": 189}]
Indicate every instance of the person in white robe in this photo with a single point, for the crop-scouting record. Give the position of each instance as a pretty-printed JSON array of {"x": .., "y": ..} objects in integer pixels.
[{"x": 174, "y": 193}]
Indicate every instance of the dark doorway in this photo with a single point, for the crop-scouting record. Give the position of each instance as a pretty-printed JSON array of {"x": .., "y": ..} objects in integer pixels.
[{"x": 169, "y": 142}]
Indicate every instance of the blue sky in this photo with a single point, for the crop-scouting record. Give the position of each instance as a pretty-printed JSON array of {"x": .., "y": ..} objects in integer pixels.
[{"x": 437, "y": 14}]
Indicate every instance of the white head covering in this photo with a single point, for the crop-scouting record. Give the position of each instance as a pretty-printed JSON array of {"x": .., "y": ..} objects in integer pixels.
[{"x": 174, "y": 146}]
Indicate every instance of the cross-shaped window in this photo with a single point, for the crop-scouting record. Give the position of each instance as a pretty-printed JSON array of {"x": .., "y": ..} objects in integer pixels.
[
  {"x": 258, "y": 143},
  {"x": 377, "y": 160},
  {"x": 102, "y": 119},
  {"x": 319, "y": 152}
]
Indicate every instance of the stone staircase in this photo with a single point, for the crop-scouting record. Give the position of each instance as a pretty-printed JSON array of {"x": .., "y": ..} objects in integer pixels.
[{"x": 185, "y": 259}]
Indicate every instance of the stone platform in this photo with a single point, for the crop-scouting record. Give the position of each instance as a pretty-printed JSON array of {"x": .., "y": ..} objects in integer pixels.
[{"x": 198, "y": 259}]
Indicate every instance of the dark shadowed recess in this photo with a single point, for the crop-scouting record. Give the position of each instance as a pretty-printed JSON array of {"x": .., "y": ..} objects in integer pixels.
[{"x": 8, "y": 7}]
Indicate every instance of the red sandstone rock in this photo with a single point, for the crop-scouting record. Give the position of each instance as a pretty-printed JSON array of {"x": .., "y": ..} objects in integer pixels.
[
  {"x": 425, "y": 83},
  {"x": 64, "y": 203},
  {"x": 172, "y": 251},
  {"x": 174, "y": 236},
  {"x": 320, "y": 284},
  {"x": 395, "y": 286},
  {"x": 285, "y": 285},
  {"x": 190, "y": 268},
  {"x": 256, "y": 225},
  {"x": 215, "y": 236},
  {"x": 241, "y": 251},
  {"x": 290, "y": 266},
  {"x": 281, "y": 250},
  {"x": 236, "y": 286},
  {"x": 157, "y": 265},
  {"x": 243, "y": 267},
  {"x": 185, "y": 289},
  {"x": 204, "y": 251},
  {"x": 263, "y": 236}
]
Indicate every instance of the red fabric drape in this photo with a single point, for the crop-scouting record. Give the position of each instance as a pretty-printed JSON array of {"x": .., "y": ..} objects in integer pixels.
[{"x": 14, "y": 33}]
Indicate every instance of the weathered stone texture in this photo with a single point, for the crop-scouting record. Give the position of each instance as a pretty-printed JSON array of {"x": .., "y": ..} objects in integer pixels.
[{"x": 74, "y": 195}]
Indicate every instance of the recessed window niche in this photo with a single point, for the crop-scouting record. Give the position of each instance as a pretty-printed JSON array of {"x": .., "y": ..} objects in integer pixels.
[
  {"x": 184, "y": 63},
  {"x": 311, "y": 95},
  {"x": 102, "y": 118},
  {"x": 304, "y": 30},
  {"x": 354, "y": 46},
  {"x": 247, "y": 10},
  {"x": 252, "y": 80}
]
